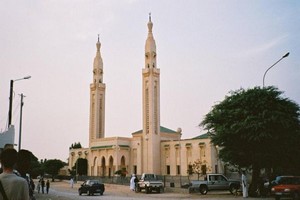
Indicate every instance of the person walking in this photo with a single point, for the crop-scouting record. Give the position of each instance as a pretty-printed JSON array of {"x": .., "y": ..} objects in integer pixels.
[
  {"x": 244, "y": 184},
  {"x": 47, "y": 186},
  {"x": 23, "y": 166},
  {"x": 132, "y": 183},
  {"x": 39, "y": 186},
  {"x": 72, "y": 182},
  {"x": 43, "y": 185},
  {"x": 11, "y": 185}
]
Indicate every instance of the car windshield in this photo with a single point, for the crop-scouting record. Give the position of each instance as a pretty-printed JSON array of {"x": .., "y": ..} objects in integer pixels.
[
  {"x": 288, "y": 180},
  {"x": 149, "y": 177}
]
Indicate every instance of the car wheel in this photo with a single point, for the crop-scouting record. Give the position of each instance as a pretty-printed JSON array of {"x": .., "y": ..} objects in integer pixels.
[
  {"x": 203, "y": 189},
  {"x": 88, "y": 193},
  {"x": 79, "y": 193},
  {"x": 277, "y": 197},
  {"x": 233, "y": 189},
  {"x": 101, "y": 193},
  {"x": 158, "y": 190},
  {"x": 147, "y": 190}
]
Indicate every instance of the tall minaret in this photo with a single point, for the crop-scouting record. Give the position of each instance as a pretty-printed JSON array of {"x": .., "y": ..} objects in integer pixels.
[
  {"x": 97, "y": 99},
  {"x": 151, "y": 107}
]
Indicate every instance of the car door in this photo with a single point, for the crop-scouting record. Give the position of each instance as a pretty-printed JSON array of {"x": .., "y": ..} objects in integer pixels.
[
  {"x": 211, "y": 182},
  {"x": 221, "y": 182}
]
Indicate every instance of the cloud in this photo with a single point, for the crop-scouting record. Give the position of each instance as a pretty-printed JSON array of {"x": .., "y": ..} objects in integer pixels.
[{"x": 265, "y": 47}]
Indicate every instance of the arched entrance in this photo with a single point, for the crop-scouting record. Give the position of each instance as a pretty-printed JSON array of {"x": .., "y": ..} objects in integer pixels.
[
  {"x": 94, "y": 167},
  {"x": 123, "y": 165},
  {"x": 103, "y": 166},
  {"x": 110, "y": 166}
]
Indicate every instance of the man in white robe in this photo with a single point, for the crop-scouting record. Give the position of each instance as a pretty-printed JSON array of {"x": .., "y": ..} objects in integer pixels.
[
  {"x": 244, "y": 184},
  {"x": 132, "y": 182}
]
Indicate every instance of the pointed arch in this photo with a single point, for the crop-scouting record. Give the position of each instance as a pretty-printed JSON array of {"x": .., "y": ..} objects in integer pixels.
[
  {"x": 94, "y": 167},
  {"x": 123, "y": 163},
  {"x": 110, "y": 166},
  {"x": 103, "y": 164}
]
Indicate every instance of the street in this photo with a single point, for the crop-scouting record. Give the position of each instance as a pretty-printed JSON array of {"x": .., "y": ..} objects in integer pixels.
[{"x": 61, "y": 190}]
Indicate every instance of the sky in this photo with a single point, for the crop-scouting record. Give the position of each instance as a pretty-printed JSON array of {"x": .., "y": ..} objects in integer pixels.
[{"x": 205, "y": 49}]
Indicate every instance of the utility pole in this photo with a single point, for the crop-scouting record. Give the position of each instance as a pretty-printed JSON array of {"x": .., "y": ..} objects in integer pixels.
[{"x": 20, "y": 128}]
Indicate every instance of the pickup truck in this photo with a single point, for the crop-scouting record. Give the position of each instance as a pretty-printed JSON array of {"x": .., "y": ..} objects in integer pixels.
[
  {"x": 149, "y": 183},
  {"x": 214, "y": 182}
]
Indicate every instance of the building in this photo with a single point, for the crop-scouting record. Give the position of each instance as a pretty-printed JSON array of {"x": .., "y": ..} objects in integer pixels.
[
  {"x": 7, "y": 137},
  {"x": 154, "y": 148}
]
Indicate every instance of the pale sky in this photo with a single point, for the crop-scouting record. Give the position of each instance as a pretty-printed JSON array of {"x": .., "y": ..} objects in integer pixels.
[{"x": 205, "y": 48}]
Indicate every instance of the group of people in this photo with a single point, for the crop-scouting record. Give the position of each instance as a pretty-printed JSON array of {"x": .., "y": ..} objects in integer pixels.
[
  {"x": 41, "y": 185},
  {"x": 133, "y": 182},
  {"x": 15, "y": 183}
]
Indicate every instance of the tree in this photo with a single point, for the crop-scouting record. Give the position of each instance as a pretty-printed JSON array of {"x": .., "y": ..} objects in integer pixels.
[
  {"x": 256, "y": 128},
  {"x": 75, "y": 146},
  {"x": 53, "y": 166},
  {"x": 198, "y": 167}
]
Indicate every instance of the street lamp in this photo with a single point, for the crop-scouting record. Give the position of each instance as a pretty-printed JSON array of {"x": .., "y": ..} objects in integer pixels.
[
  {"x": 286, "y": 55},
  {"x": 10, "y": 98}
]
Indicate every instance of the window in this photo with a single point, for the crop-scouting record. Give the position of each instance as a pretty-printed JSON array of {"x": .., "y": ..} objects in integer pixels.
[
  {"x": 178, "y": 169},
  {"x": 168, "y": 169}
]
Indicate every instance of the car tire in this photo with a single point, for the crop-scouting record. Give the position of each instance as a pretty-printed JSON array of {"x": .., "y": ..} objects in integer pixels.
[
  {"x": 79, "y": 193},
  {"x": 88, "y": 193},
  {"x": 101, "y": 193},
  {"x": 203, "y": 189},
  {"x": 147, "y": 190},
  {"x": 233, "y": 189},
  {"x": 158, "y": 190},
  {"x": 277, "y": 197}
]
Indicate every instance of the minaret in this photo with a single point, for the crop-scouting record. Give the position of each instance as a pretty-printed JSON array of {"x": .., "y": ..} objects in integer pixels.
[
  {"x": 97, "y": 99},
  {"x": 151, "y": 107}
]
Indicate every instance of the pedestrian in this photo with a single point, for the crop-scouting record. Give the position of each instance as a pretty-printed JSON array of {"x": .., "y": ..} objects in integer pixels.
[
  {"x": 72, "y": 182},
  {"x": 136, "y": 180},
  {"x": 132, "y": 183},
  {"x": 39, "y": 186},
  {"x": 47, "y": 186},
  {"x": 23, "y": 169},
  {"x": 11, "y": 185},
  {"x": 244, "y": 184},
  {"x": 43, "y": 185}
]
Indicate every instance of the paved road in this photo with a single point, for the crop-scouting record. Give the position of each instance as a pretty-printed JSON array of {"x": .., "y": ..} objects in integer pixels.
[{"x": 61, "y": 190}]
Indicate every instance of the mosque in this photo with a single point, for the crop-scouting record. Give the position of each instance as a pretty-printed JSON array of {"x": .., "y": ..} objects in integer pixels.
[{"x": 154, "y": 148}]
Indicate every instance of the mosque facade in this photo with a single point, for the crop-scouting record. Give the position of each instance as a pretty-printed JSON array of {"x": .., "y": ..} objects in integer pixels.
[{"x": 154, "y": 148}]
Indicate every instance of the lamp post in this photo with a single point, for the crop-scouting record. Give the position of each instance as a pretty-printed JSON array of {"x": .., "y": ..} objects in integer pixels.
[
  {"x": 10, "y": 98},
  {"x": 286, "y": 55}
]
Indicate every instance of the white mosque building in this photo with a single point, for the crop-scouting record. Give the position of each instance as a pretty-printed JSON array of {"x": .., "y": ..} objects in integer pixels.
[{"x": 154, "y": 148}]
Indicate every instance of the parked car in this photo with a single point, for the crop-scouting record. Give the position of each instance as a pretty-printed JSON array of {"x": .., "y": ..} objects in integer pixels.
[
  {"x": 214, "y": 182},
  {"x": 90, "y": 187},
  {"x": 286, "y": 186}
]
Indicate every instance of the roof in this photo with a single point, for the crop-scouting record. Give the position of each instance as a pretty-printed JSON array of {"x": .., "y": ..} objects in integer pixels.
[
  {"x": 162, "y": 130},
  {"x": 203, "y": 136}
]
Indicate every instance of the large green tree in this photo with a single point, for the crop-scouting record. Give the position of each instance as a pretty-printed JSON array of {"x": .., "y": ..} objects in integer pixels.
[
  {"x": 53, "y": 166},
  {"x": 256, "y": 128}
]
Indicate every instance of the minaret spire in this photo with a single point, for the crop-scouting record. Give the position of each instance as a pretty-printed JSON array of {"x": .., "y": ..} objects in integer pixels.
[
  {"x": 98, "y": 64},
  {"x": 150, "y": 47}
]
